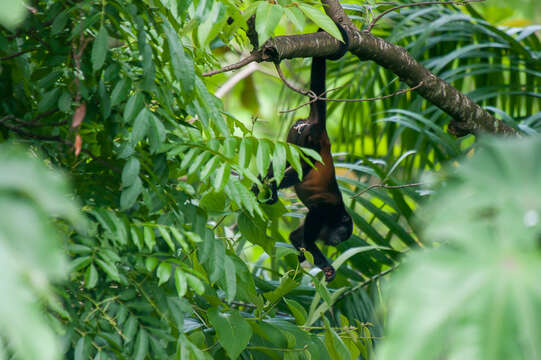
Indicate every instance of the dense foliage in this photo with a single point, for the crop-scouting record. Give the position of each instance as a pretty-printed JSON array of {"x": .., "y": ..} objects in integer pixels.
[{"x": 160, "y": 250}]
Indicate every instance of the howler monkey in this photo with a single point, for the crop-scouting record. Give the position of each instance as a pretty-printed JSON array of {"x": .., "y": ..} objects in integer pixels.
[{"x": 327, "y": 218}]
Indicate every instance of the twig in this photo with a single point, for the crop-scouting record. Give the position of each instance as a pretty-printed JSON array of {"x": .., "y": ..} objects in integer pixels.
[
  {"x": 313, "y": 100},
  {"x": 55, "y": 138},
  {"x": 459, "y": 2},
  {"x": 77, "y": 55},
  {"x": 385, "y": 186},
  {"x": 291, "y": 86},
  {"x": 36, "y": 125},
  {"x": 298, "y": 107},
  {"x": 30, "y": 135},
  {"x": 18, "y": 54},
  {"x": 234, "y": 66},
  {"x": 398, "y": 92}
]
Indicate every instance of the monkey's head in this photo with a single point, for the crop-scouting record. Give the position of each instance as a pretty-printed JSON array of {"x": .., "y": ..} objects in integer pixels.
[{"x": 338, "y": 230}]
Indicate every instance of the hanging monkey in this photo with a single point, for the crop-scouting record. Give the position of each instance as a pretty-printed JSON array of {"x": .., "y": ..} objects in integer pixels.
[{"x": 327, "y": 218}]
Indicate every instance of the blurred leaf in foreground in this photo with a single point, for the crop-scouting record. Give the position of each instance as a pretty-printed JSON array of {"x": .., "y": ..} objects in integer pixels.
[
  {"x": 477, "y": 295},
  {"x": 30, "y": 253}
]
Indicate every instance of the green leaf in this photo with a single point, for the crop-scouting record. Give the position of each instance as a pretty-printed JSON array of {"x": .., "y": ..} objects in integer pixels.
[
  {"x": 196, "y": 164},
  {"x": 130, "y": 328},
  {"x": 352, "y": 252},
  {"x": 180, "y": 282},
  {"x": 59, "y": 22},
  {"x": 232, "y": 330},
  {"x": 163, "y": 272},
  {"x": 64, "y": 103},
  {"x": 263, "y": 157},
  {"x": 195, "y": 284},
  {"x": 79, "y": 263},
  {"x": 130, "y": 172},
  {"x": 148, "y": 236},
  {"x": 212, "y": 24},
  {"x": 82, "y": 349},
  {"x": 279, "y": 159},
  {"x": 267, "y": 17},
  {"x": 12, "y": 12},
  {"x": 179, "y": 237},
  {"x": 287, "y": 285},
  {"x": 312, "y": 154},
  {"x": 487, "y": 238},
  {"x": 244, "y": 152},
  {"x": 166, "y": 237},
  {"x": 254, "y": 231},
  {"x": 129, "y": 195},
  {"x": 182, "y": 63},
  {"x": 321, "y": 19},
  {"x": 335, "y": 345},
  {"x": 49, "y": 100},
  {"x": 156, "y": 133},
  {"x": 99, "y": 49},
  {"x": 141, "y": 345},
  {"x": 209, "y": 167},
  {"x": 150, "y": 263},
  {"x": 91, "y": 277},
  {"x": 137, "y": 237},
  {"x": 140, "y": 126},
  {"x": 121, "y": 91},
  {"x": 109, "y": 268},
  {"x": 296, "y": 17},
  {"x": 297, "y": 310},
  {"x": 230, "y": 279},
  {"x": 213, "y": 105},
  {"x": 133, "y": 107},
  {"x": 222, "y": 176},
  {"x": 294, "y": 160}
]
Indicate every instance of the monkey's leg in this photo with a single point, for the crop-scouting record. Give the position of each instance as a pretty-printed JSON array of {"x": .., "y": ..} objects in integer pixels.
[
  {"x": 297, "y": 240},
  {"x": 312, "y": 227}
]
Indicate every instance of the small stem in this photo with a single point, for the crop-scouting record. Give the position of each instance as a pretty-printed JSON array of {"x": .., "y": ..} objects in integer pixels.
[
  {"x": 234, "y": 66},
  {"x": 17, "y": 54}
]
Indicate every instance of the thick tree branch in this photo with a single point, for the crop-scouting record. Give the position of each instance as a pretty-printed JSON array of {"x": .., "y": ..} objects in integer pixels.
[{"x": 467, "y": 116}]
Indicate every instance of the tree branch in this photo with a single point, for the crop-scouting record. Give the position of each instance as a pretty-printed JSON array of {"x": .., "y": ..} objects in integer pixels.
[
  {"x": 55, "y": 138},
  {"x": 465, "y": 113},
  {"x": 234, "y": 66},
  {"x": 22, "y": 52}
]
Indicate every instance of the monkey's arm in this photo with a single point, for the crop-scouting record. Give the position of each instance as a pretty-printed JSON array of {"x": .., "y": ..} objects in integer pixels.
[{"x": 291, "y": 178}]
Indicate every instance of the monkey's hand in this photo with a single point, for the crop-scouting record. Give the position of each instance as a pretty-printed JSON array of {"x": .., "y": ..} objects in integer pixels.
[
  {"x": 268, "y": 195},
  {"x": 299, "y": 127},
  {"x": 301, "y": 255},
  {"x": 329, "y": 273}
]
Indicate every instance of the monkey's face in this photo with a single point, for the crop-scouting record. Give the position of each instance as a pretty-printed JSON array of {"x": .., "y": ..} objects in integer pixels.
[{"x": 341, "y": 230}]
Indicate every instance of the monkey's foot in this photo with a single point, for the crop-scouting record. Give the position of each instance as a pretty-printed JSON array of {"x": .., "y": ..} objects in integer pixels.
[{"x": 329, "y": 272}]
